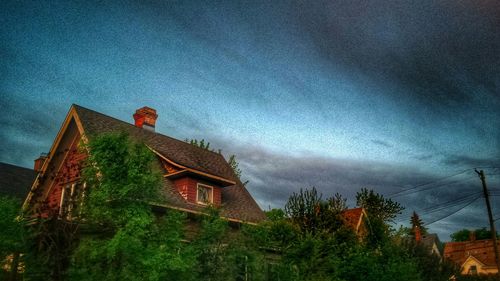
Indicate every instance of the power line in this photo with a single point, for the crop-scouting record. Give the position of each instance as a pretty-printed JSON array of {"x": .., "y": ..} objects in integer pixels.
[
  {"x": 424, "y": 184},
  {"x": 450, "y": 203},
  {"x": 446, "y": 205},
  {"x": 470, "y": 202},
  {"x": 431, "y": 187}
]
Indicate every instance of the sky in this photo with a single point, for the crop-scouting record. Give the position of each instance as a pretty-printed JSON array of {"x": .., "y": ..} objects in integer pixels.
[{"x": 339, "y": 94}]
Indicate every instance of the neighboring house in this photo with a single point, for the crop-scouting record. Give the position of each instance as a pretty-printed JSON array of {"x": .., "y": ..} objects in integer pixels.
[
  {"x": 430, "y": 241},
  {"x": 473, "y": 257},
  {"x": 357, "y": 220},
  {"x": 15, "y": 181},
  {"x": 193, "y": 177}
]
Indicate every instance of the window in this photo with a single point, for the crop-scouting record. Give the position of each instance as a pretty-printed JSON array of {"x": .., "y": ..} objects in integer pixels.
[
  {"x": 204, "y": 194},
  {"x": 71, "y": 198},
  {"x": 473, "y": 270}
]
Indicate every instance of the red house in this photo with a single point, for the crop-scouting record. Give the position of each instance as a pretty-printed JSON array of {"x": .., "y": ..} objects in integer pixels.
[{"x": 193, "y": 177}]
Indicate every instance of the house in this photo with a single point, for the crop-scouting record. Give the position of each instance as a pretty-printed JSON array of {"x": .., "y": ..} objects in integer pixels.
[
  {"x": 429, "y": 241},
  {"x": 193, "y": 177},
  {"x": 15, "y": 181},
  {"x": 473, "y": 257},
  {"x": 357, "y": 220}
]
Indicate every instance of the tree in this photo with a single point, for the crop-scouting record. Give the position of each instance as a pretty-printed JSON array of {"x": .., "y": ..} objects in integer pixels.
[
  {"x": 311, "y": 213},
  {"x": 232, "y": 158},
  {"x": 235, "y": 166},
  {"x": 416, "y": 222},
  {"x": 377, "y": 206},
  {"x": 122, "y": 239},
  {"x": 381, "y": 212},
  {"x": 200, "y": 144},
  {"x": 12, "y": 236},
  {"x": 465, "y": 234}
]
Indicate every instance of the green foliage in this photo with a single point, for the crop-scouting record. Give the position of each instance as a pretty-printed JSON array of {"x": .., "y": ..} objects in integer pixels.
[
  {"x": 389, "y": 263},
  {"x": 232, "y": 159},
  {"x": 310, "y": 213},
  {"x": 210, "y": 249},
  {"x": 234, "y": 165},
  {"x": 12, "y": 235},
  {"x": 465, "y": 234},
  {"x": 430, "y": 266},
  {"x": 415, "y": 221},
  {"x": 12, "y": 232},
  {"x": 125, "y": 240},
  {"x": 200, "y": 144},
  {"x": 381, "y": 212},
  {"x": 315, "y": 247},
  {"x": 377, "y": 206}
]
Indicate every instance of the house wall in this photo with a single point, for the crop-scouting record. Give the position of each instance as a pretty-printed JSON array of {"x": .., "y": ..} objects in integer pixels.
[
  {"x": 68, "y": 172},
  {"x": 481, "y": 269},
  {"x": 187, "y": 187}
]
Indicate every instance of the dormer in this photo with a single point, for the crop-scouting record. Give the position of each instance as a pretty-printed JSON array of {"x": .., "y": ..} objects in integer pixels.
[{"x": 194, "y": 186}]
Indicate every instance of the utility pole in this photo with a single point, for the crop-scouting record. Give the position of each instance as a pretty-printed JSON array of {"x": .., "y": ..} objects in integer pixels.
[{"x": 490, "y": 218}]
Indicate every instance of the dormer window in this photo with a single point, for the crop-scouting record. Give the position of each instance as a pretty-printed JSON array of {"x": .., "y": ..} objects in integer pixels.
[{"x": 204, "y": 194}]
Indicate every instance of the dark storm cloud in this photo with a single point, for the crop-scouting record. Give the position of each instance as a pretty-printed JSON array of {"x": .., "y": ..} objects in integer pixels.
[
  {"x": 467, "y": 161},
  {"x": 441, "y": 51}
]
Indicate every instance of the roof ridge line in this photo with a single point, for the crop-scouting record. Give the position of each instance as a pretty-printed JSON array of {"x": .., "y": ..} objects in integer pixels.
[{"x": 155, "y": 133}]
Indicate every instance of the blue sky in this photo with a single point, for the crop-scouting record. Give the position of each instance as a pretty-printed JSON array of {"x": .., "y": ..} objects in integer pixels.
[{"x": 336, "y": 94}]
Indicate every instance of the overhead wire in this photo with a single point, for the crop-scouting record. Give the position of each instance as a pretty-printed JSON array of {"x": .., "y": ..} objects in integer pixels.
[
  {"x": 450, "y": 203},
  {"x": 468, "y": 199},
  {"x": 428, "y": 183},
  {"x": 454, "y": 212},
  {"x": 446, "y": 205},
  {"x": 431, "y": 187}
]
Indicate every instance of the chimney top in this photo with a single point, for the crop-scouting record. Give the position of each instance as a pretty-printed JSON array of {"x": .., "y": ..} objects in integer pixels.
[
  {"x": 418, "y": 234},
  {"x": 472, "y": 236},
  {"x": 39, "y": 162},
  {"x": 145, "y": 118}
]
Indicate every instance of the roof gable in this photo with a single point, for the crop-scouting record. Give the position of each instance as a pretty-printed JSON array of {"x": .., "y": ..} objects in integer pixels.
[{"x": 354, "y": 217}]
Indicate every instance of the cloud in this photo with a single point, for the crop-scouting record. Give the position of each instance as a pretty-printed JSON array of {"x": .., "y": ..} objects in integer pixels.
[
  {"x": 468, "y": 161},
  {"x": 382, "y": 143},
  {"x": 275, "y": 176},
  {"x": 438, "y": 54}
]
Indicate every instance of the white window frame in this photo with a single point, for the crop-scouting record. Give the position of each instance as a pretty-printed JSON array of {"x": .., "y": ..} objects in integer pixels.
[
  {"x": 71, "y": 187},
  {"x": 198, "y": 185}
]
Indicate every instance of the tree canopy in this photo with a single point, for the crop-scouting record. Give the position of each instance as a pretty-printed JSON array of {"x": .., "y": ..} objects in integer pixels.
[{"x": 465, "y": 234}]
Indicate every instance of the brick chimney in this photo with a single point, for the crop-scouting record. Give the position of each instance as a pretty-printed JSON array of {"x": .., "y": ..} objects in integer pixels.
[
  {"x": 145, "y": 118},
  {"x": 472, "y": 236},
  {"x": 418, "y": 234},
  {"x": 39, "y": 162}
]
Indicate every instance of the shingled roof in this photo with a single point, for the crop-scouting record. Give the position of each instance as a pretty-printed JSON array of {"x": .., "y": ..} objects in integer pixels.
[
  {"x": 482, "y": 250},
  {"x": 15, "y": 181},
  {"x": 237, "y": 203}
]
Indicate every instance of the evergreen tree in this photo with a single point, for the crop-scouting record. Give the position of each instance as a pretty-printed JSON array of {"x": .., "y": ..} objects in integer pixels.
[{"x": 416, "y": 222}]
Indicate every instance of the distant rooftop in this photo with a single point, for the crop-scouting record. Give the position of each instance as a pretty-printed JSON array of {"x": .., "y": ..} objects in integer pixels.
[{"x": 15, "y": 181}]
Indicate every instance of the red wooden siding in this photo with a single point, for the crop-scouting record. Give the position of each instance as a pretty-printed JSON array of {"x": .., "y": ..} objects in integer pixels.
[{"x": 68, "y": 172}]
